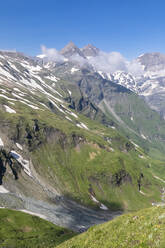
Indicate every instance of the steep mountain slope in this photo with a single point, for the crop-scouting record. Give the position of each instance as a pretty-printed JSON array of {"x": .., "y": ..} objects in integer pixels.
[
  {"x": 146, "y": 76},
  {"x": 59, "y": 143},
  {"x": 142, "y": 229},
  {"x": 151, "y": 83},
  {"x": 19, "y": 229},
  {"x": 148, "y": 83},
  {"x": 131, "y": 115}
]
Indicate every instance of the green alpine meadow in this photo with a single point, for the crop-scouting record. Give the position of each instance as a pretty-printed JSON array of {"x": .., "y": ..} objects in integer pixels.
[
  {"x": 20, "y": 229},
  {"x": 144, "y": 228}
]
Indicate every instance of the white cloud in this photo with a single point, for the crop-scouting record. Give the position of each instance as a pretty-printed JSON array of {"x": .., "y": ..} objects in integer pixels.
[
  {"x": 135, "y": 68},
  {"x": 79, "y": 59},
  {"x": 106, "y": 62},
  {"x": 114, "y": 61},
  {"x": 109, "y": 62},
  {"x": 52, "y": 54},
  {"x": 9, "y": 51}
]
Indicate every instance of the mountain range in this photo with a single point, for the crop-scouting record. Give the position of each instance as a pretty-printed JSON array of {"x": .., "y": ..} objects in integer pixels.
[
  {"x": 149, "y": 83},
  {"x": 80, "y": 145}
]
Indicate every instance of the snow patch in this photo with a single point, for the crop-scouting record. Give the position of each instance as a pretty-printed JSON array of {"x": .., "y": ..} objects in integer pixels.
[
  {"x": 112, "y": 127},
  {"x": 135, "y": 144},
  {"x": 57, "y": 106},
  {"x": 3, "y": 91},
  {"x": 19, "y": 146},
  {"x": 94, "y": 199},
  {"x": 3, "y": 190},
  {"x": 9, "y": 110},
  {"x": 112, "y": 150},
  {"x": 101, "y": 74},
  {"x": 43, "y": 105},
  {"x": 141, "y": 156},
  {"x": 12, "y": 103},
  {"x": 142, "y": 192},
  {"x": 159, "y": 178},
  {"x": 41, "y": 56},
  {"x": 8, "y": 98},
  {"x": 6, "y": 74},
  {"x": 82, "y": 125},
  {"x": 73, "y": 114},
  {"x": 32, "y": 213},
  {"x": 102, "y": 206},
  {"x": 16, "y": 89},
  {"x": 143, "y": 136},
  {"x": 68, "y": 118},
  {"x": 52, "y": 78},
  {"x": 70, "y": 93},
  {"x": 29, "y": 105},
  {"x": 13, "y": 66},
  {"x": 73, "y": 70},
  {"x": 1, "y": 143},
  {"x": 25, "y": 163}
]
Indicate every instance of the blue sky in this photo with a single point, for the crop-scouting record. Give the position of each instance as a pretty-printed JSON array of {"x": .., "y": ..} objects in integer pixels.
[{"x": 130, "y": 27}]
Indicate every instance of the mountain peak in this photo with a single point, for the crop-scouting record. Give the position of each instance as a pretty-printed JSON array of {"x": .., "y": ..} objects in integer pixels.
[
  {"x": 70, "y": 44},
  {"x": 71, "y": 49},
  {"x": 90, "y": 50},
  {"x": 152, "y": 61}
]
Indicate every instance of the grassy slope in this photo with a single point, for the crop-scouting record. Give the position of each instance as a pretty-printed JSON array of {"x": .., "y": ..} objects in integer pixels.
[
  {"x": 21, "y": 230},
  {"x": 74, "y": 169},
  {"x": 77, "y": 172},
  {"x": 132, "y": 110},
  {"x": 141, "y": 229},
  {"x": 137, "y": 115}
]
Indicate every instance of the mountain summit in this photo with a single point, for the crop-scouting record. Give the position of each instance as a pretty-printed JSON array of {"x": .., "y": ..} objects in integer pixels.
[
  {"x": 90, "y": 51},
  {"x": 70, "y": 50},
  {"x": 152, "y": 61}
]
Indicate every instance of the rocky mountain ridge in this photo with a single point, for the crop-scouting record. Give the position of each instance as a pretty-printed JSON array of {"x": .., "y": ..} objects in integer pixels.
[{"x": 149, "y": 83}]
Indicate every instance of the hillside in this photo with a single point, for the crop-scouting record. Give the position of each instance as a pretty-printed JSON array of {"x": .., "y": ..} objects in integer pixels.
[
  {"x": 18, "y": 230},
  {"x": 69, "y": 148},
  {"x": 140, "y": 229},
  {"x": 113, "y": 105}
]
